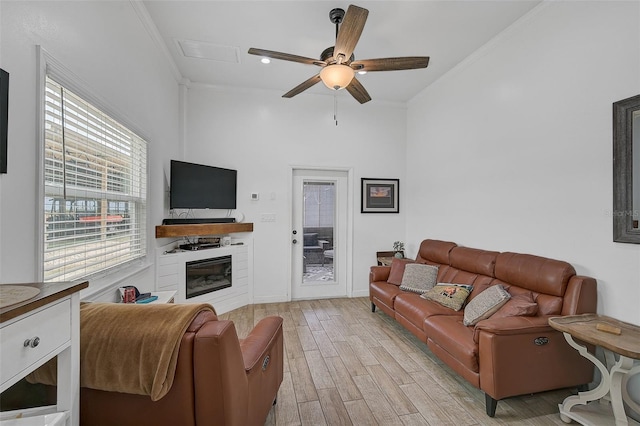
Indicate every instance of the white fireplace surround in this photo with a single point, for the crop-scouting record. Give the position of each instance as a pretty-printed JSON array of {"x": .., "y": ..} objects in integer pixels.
[{"x": 171, "y": 274}]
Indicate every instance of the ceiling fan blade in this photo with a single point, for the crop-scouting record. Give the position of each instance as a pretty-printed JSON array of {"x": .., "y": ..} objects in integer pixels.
[
  {"x": 391, "y": 64},
  {"x": 350, "y": 31},
  {"x": 358, "y": 91},
  {"x": 302, "y": 86},
  {"x": 286, "y": 57}
]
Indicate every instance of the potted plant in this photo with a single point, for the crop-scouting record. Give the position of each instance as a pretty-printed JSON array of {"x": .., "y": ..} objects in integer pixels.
[{"x": 398, "y": 248}]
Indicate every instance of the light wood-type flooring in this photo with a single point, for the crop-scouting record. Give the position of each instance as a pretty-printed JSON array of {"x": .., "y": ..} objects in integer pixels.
[{"x": 346, "y": 365}]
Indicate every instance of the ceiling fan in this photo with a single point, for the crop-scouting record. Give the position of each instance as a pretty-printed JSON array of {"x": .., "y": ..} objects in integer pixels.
[{"x": 338, "y": 62}]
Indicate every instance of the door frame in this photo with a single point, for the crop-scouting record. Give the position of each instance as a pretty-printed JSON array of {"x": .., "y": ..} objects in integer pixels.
[{"x": 349, "y": 225}]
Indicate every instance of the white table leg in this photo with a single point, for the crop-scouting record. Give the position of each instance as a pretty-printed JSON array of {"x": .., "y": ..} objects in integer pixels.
[
  {"x": 625, "y": 392},
  {"x": 585, "y": 397},
  {"x": 618, "y": 373},
  {"x": 68, "y": 369}
]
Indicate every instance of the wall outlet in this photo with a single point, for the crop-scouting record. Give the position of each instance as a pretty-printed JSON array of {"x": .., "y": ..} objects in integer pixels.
[
  {"x": 268, "y": 217},
  {"x": 255, "y": 196}
]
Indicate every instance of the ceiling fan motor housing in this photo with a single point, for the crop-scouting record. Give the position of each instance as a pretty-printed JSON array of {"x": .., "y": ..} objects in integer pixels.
[
  {"x": 336, "y": 15},
  {"x": 327, "y": 56}
]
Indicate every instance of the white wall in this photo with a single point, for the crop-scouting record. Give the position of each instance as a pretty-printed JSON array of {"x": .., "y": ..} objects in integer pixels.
[
  {"x": 106, "y": 46},
  {"x": 263, "y": 136},
  {"x": 512, "y": 150}
]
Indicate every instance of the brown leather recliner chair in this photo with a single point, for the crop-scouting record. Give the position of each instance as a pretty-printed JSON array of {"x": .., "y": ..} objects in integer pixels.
[{"x": 219, "y": 380}]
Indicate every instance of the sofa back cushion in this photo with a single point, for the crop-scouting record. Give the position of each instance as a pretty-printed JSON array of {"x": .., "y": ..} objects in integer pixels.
[
  {"x": 434, "y": 251},
  {"x": 397, "y": 270},
  {"x": 459, "y": 276},
  {"x": 481, "y": 262},
  {"x": 546, "y": 278},
  {"x": 310, "y": 239},
  {"x": 538, "y": 274}
]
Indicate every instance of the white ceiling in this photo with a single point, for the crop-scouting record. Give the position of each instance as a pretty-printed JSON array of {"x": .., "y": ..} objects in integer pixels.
[{"x": 446, "y": 31}]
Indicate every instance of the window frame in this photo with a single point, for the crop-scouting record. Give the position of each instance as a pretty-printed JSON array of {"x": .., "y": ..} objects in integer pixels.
[{"x": 47, "y": 65}]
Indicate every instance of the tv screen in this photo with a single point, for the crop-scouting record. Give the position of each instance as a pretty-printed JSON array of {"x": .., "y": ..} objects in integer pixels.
[{"x": 196, "y": 186}]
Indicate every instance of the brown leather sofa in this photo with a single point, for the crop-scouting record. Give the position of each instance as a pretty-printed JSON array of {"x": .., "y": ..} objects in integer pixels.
[
  {"x": 219, "y": 380},
  {"x": 503, "y": 357}
]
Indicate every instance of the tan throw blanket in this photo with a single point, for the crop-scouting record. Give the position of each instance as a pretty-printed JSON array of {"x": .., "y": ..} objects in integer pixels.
[{"x": 129, "y": 348}]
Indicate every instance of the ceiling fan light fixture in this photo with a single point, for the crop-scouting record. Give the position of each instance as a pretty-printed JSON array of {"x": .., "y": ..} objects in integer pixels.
[{"x": 336, "y": 76}]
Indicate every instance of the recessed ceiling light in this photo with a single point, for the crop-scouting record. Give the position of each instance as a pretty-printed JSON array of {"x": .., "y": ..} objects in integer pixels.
[
  {"x": 362, "y": 72},
  {"x": 265, "y": 60}
]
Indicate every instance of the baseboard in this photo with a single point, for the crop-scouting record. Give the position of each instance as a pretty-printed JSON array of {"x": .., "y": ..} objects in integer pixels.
[
  {"x": 360, "y": 293},
  {"x": 228, "y": 305},
  {"x": 270, "y": 299}
]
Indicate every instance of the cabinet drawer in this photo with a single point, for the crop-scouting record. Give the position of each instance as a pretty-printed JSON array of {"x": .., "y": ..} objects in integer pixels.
[{"x": 51, "y": 325}]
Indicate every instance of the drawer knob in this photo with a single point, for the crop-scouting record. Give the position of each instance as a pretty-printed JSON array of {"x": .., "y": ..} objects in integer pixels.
[{"x": 32, "y": 343}]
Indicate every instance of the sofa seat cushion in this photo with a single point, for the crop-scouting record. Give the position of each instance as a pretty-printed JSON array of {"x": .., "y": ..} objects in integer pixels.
[
  {"x": 384, "y": 292},
  {"x": 415, "y": 309},
  {"x": 454, "y": 337}
]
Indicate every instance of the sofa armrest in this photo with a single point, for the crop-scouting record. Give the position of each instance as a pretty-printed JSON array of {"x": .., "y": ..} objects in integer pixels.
[
  {"x": 522, "y": 355},
  {"x": 581, "y": 296},
  {"x": 263, "y": 356},
  {"x": 379, "y": 273},
  {"x": 260, "y": 340},
  {"x": 512, "y": 326}
]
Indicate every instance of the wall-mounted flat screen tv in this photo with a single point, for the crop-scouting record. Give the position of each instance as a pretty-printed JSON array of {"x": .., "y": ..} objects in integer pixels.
[{"x": 197, "y": 186}]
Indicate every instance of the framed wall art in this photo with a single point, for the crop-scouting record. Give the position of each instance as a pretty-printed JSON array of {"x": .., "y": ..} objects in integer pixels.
[
  {"x": 380, "y": 195},
  {"x": 4, "y": 118}
]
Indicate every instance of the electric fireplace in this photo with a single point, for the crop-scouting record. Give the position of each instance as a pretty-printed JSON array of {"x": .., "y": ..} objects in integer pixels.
[{"x": 207, "y": 275}]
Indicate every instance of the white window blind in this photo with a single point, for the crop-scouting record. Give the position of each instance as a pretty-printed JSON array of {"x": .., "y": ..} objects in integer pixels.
[
  {"x": 95, "y": 186},
  {"x": 319, "y": 204}
]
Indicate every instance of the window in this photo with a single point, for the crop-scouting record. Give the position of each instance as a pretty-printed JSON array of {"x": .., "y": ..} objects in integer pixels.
[{"x": 95, "y": 186}]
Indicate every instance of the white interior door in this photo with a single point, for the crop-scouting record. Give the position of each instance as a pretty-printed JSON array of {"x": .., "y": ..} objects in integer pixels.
[{"x": 319, "y": 234}]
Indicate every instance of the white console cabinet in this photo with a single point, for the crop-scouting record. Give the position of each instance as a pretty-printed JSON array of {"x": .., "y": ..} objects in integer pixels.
[{"x": 36, "y": 330}]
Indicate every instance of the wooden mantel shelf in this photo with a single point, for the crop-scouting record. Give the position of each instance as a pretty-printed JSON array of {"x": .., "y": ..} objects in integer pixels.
[{"x": 169, "y": 231}]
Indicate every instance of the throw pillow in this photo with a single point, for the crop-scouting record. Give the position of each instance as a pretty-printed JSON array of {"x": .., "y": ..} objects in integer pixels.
[
  {"x": 521, "y": 305},
  {"x": 418, "y": 278},
  {"x": 451, "y": 296},
  {"x": 485, "y": 304},
  {"x": 397, "y": 270}
]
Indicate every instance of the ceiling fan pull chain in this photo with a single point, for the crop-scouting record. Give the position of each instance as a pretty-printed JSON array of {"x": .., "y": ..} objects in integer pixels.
[{"x": 335, "y": 109}]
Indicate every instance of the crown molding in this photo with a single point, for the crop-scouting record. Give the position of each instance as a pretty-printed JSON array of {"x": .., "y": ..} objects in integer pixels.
[{"x": 152, "y": 30}]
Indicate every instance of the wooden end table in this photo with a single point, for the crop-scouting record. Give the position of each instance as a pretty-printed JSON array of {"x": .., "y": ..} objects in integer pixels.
[
  {"x": 595, "y": 407},
  {"x": 385, "y": 260}
]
